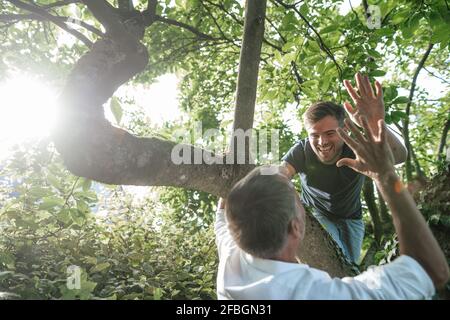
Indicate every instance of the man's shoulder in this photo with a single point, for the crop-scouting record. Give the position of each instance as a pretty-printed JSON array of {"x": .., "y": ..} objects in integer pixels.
[{"x": 301, "y": 143}]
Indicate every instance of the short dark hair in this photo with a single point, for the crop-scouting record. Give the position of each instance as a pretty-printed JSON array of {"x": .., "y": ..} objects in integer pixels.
[
  {"x": 259, "y": 210},
  {"x": 321, "y": 109}
]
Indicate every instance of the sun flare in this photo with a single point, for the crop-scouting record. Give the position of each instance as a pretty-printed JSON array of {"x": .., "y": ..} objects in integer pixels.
[{"x": 27, "y": 110}]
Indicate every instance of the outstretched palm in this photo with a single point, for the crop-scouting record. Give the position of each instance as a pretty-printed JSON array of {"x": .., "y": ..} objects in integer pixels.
[
  {"x": 373, "y": 155},
  {"x": 367, "y": 103}
]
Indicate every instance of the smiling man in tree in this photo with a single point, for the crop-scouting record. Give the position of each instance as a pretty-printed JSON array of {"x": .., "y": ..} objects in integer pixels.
[
  {"x": 260, "y": 228},
  {"x": 333, "y": 192}
]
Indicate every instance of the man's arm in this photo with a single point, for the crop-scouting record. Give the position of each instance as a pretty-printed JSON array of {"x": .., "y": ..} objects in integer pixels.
[
  {"x": 396, "y": 144},
  {"x": 224, "y": 241},
  {"x": 374, "y": 159},
  {"x": 371, "y": 105},
  {"x": 287, "y": 169}
]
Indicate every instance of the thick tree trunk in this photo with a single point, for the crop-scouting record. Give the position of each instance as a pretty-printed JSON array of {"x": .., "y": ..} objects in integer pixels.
[
  {"x": 247, "y": 81},
  {"x": 384, "y": 213},
  {"x": 249, "y": 65},
  {"x": 319, "y": 250},
  {"x": 93, "y": 148}
]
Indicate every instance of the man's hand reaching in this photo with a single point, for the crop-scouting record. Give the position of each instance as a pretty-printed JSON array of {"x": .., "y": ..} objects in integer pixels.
[
  {"x": 373, "y": 155},
  {"x": 367, "y": 103},
  {"x": 221, "y": 203}
]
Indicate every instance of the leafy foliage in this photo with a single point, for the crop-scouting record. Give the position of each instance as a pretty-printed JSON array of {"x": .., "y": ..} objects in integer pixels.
[{"x": 52, "y": 220}]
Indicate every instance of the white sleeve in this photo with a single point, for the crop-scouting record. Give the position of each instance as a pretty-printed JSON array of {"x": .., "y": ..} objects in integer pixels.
[
  {"x": 402, "y": 279},
  {"x": 224, "y": 241}
]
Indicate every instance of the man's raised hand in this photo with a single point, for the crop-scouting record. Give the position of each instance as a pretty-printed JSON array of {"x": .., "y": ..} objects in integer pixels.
[
  {"x": 373, "y": 155},
  {"x": 367, "y": 102}
]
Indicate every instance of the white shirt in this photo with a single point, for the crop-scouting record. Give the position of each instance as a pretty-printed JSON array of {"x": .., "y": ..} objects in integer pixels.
[{"x": 243, "y": 276}]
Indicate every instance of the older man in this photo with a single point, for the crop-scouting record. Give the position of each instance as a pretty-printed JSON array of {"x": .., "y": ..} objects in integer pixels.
[{"x": 264, "y": 226}]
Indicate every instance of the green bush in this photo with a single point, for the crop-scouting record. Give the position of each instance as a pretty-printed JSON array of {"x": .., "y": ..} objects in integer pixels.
[{"x": 125, "y": 249}]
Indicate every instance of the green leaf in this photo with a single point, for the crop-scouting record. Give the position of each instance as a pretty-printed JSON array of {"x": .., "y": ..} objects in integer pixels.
[
  {"x": 157, "y": 294},
  {"x": 64, "y": 216},
  {"x": 328, "y": 29},
  {"x": 384, "y": 32},
  {"x": 86, "y": 184},
  {"x": 400, "y": 100},
  {"x": 374, "y": 53},
  {"x": 400, "y": 16},
  {"x": 325, "y": 84},
  {"x": 77, "y": 216},
  {"x": 407, "y": 32},
  {"x": 90, "y": 260},
  {"x": 288, "y": 46},
  {"x": 53, "y": 181},
  {"x": 396, "y": 116},
  {"x": 310, "y": 83},
  {"x": 287, "y": 58},
  {"x": 39, "y": 192},
  {"x": 440, "y": 34},
  {"x": 7, "y": 259},
  {"x": 377, "y": 73},
  {"x": 304, "y": 10},
  {"x": 5, "y": 274},
  {"x": 82, "y": 206},
  {"x": 289, "y": 21},
  {"x": 116, "y": 109},
  {"x": 50, "y": 202},
  {"x": 100, "y": 267},
  {"x": 390, "y": 93}
]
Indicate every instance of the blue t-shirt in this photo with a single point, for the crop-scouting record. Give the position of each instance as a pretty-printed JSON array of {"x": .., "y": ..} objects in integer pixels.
[{"x": 332, "y": 191}]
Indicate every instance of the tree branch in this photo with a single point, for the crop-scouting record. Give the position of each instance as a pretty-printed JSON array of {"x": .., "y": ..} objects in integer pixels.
[
  {"x": 247, "y": 82},
  {"x": 41, "y": 12},
  {"x": 34, "y": 16},
  {"x": 126, "y": 5},
  {"x": 109, "y": 17},
  {"x": 198, "y": 33},
  {"x": 319, "y": 39},
  {"x": 59, "y": 4},
  {"x": 222, "y": 7},
  {"x": 437, "y": 77},
  {"x": 408, "y": 111},
  {"x": 217, "y": 24},
  {"x": 444, "y": 138}
]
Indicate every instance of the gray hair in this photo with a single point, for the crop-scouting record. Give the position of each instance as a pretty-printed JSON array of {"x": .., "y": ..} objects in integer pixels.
[{"x": 259, "y": 210}]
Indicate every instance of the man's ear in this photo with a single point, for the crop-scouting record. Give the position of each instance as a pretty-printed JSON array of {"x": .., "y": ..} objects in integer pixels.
[{"x": 295, "y": 228}]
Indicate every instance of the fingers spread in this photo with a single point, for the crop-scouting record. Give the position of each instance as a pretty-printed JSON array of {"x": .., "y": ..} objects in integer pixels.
[
  {"x": 351, "y": 126},
  {"x": 381, "y": 130},
  {"x": 368, "y": 86},
  {"x": 346, "y": 162},
  {"x": 379, "y": 90},
  {"x": 360, "y": 83},
  {"x": 351, "y": 91},
  {"x": 347, "y": 139},
  {"x": 348, "y": 107},
  {"x": 370, "y": 135},
  {"x": 358, "y": 148}
]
